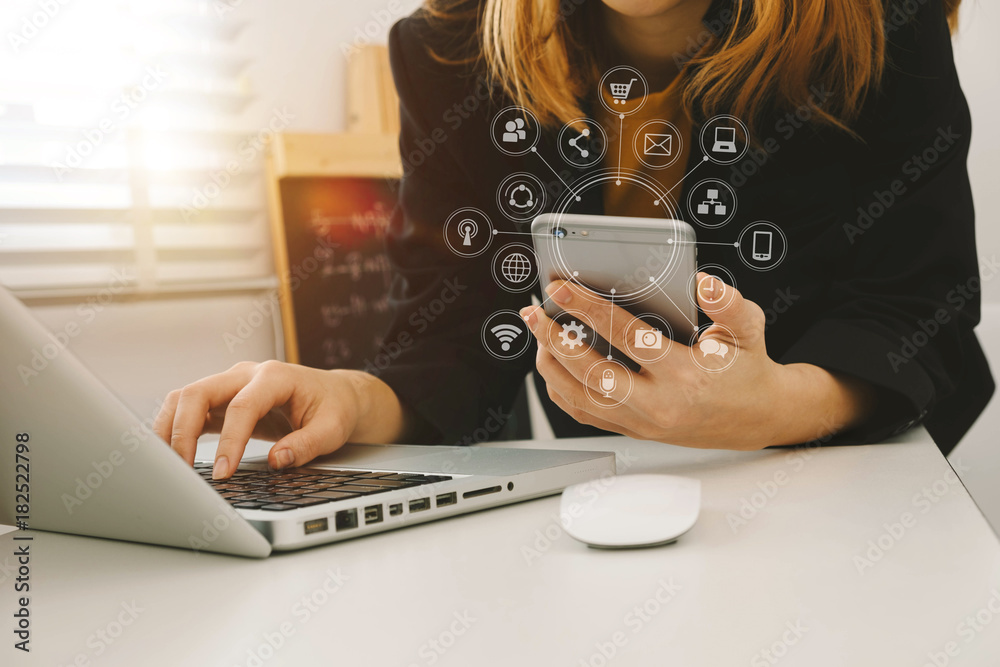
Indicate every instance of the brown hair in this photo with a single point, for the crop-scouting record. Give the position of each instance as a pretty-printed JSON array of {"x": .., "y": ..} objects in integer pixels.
[{"x": 547, "y": 55}]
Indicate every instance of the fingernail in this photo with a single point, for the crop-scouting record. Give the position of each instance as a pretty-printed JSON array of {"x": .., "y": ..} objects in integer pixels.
[
  {"x": 559, "y": 293},
  {"x": 220, "y": 468},
  {"x": 284, "y": 458},
  {"x": 528, "y": 314}
]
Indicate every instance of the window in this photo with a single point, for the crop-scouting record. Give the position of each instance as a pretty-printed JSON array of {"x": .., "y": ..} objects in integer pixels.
[{"x": 126, "y": 149}]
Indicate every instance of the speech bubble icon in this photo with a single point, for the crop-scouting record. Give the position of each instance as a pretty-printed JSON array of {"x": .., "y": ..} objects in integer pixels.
[
  {"x": 709, "y": 346},
  {"x": 723, "y": 350}
]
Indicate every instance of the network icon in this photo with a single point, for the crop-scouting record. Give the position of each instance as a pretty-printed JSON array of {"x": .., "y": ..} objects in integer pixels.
[
  {"x": 506, "y": 334},
  {"x": 584, "y": 134}
]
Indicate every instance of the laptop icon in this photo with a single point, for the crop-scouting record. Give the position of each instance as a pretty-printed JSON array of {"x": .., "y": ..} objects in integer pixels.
[
  {"x": 725, "y": 140},
  {"x": 105, "y": 473}
]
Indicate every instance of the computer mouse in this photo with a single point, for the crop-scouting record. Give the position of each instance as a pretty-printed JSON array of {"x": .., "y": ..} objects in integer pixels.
[{"x": 630, "y": 510}]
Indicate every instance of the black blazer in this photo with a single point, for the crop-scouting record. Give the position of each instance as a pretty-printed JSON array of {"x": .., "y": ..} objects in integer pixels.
[{"x": 887, "y": 291}]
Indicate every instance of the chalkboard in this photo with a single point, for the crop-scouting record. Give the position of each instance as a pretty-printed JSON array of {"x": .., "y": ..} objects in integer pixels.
[{"x": 337, "y": 275}]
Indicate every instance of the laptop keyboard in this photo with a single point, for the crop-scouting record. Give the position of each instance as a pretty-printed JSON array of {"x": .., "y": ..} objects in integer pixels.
[{"x": 290, "y": 489}]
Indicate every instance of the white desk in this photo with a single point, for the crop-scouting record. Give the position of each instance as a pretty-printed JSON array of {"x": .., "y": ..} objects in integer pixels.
[{"x": 738, "y": 590}]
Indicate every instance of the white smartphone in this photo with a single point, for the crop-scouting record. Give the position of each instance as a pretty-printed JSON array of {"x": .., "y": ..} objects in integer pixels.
[{"x": 645, "y": 265}]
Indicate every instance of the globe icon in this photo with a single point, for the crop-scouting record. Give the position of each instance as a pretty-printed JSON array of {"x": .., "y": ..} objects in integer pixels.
[{"x": 516, "y": 267}]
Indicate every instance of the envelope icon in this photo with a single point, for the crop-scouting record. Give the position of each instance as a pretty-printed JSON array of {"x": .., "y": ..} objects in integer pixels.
[{"x": 658, "y": 144}]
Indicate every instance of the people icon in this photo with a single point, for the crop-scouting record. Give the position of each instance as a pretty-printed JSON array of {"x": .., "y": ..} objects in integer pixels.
[{"x": 515, "y": 131}]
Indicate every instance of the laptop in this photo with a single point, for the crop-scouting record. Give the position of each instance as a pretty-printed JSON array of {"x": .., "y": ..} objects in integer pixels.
[
  {"x": 77, "y": 460},
  {"x": 725, "y": 140}
]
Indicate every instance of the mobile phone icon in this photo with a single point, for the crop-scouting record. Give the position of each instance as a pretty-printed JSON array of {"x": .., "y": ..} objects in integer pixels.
[{"x": 762, "y": 245}]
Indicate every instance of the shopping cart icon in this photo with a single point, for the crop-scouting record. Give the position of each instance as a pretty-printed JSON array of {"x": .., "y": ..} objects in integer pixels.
[{"x": 619, "y": 91}]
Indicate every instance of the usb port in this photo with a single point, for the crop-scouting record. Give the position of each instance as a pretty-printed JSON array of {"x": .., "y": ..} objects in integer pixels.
[
  {"x": 395, "y": 509},
  {"x": 373, "y": 514},
  {"x": 447, "y": 499},
  {"x": 346, "y": 519},
  {"x": 316, "y": 526},
  {"x": 420, "y": 505}
]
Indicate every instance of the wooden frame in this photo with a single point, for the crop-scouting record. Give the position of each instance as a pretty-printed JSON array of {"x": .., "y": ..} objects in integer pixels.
[{"x": 318, "y": 155}]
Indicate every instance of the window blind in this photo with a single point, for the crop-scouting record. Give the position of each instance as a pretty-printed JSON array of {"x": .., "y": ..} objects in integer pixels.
[{"x": 127, "y": 151}]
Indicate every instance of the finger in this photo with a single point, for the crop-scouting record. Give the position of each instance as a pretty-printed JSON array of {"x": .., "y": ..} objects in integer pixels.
[
  {"x": 743, "y": 318},
  {"x": 583, "y": 415},
  {"x": 567, "y": 367},
  {"x": 558, "y": 376},
  {"x": 613, "y": 323},
  {"x": 270, "y": 387},
  {"x": 193, "y": 405},
  {"x": 165, "y": 418},
  {"x": 321, "y": 435}
]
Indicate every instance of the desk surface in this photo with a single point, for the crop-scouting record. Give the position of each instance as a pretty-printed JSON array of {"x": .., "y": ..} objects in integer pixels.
[{"x": 842, "y": 556}]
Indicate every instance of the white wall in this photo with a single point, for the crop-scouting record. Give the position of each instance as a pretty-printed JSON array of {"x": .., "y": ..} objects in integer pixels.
[{"x": 977, "y": 53}]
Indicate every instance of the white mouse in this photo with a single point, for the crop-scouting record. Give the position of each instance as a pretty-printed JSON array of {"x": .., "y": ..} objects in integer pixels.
[{"x": 630, "y": 510}]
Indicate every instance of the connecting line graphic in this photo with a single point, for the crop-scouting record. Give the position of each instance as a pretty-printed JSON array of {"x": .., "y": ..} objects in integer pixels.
[
  {"x": 679, "y": 309},
  {"x": 545, "y": 162},
  {"x": 497, "y": 231},
  {"x": 734, "y": 244},
  {"x": 704, "y": 159},
  {"x": 611, "y": 326},
  {"x": 621, "y": 134}
]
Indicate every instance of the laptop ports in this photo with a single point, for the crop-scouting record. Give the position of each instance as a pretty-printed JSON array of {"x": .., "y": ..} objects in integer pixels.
[
  {"x": 481, "y": 492},
  {"x": 446, "y": 499},
  {"x": 346, "y": 519},
  {"x": 373, "y": 514},
  {"x": 420, "y": 505},
  {"x": 395, "y": 509},
  {"x": 316, "y": 526}
]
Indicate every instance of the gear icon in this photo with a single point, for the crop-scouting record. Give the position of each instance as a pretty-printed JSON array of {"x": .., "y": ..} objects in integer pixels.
[{"x": 572, "y": 341}]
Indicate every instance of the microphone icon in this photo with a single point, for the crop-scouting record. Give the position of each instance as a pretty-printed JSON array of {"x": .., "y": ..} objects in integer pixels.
[{"x": 608, "y": 382}]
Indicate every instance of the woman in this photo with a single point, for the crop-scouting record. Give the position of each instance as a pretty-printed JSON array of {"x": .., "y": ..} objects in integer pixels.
[{"x": 860, "y": 135}]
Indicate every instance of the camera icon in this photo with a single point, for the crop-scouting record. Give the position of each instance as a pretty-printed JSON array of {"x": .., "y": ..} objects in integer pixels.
[{"x": 648, "y": 339}]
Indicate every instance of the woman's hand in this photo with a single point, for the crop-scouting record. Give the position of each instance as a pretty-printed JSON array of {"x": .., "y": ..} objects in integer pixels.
[
  {"x": 728, "y": 394},
  {"x": 309, "y": 412}
]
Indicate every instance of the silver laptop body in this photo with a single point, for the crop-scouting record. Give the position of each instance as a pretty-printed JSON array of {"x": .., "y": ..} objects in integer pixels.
[{"x": 76, "y": 460}]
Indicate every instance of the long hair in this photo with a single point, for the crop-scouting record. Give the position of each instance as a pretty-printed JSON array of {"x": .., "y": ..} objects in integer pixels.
[{"x": 548, "y": 55}]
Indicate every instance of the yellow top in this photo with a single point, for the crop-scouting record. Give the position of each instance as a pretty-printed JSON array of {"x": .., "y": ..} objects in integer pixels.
[{"x": 645, "y": 135}]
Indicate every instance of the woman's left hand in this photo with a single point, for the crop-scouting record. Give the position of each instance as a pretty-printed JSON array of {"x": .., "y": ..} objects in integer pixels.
[{"x": 724, "y": 393}]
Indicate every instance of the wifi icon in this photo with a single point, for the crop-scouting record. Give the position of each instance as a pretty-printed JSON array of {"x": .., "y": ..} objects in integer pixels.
[{"x": 506, "y": 333}]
